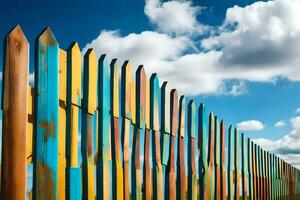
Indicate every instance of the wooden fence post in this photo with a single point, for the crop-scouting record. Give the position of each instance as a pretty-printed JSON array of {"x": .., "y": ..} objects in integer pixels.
[
  {"x": 217, "y": 152},
  {"x": 74, "y": 186},
  {"x": 165, "y": 130},
  {"x": 244, "y": 168},
  {"x": 14, "y": 106},
  {"x": 89, "y": 124},
  {"x": 147, "y": 172},
  {"x": 174, "y": 129},
  {"x": 211, "y": 157},
  {"x": 203, "y": 151},
  {"x": 192, "y": 173},
  {"x": 154, "y": 125},
  {"x": 62, "y": 125},
  {"x": 231, "y": 157},
  {"x": 103, "y": 165},
  {"x": 223, "y": 162},
  {"x": 250, "y": 169},
  {"x": 126, "y": 95},
  {"x": 237, "y": 164},
  {"x": 46, "y": 123}
]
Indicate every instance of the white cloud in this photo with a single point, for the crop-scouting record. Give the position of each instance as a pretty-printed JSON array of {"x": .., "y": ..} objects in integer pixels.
[
  {"x": 297, "y": 110},
  {"x": 250, "y": 125},
  {"x": 279, "y": 124},
  {"x": 288, "y": 144},
  {"x": 174, "y": 16}
]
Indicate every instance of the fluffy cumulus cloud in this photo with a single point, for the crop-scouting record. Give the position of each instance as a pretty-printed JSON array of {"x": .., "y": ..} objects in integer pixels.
[
  {"x": 288, "y": 145},
  {"x": 177, "y": 17},
  {"x": 279, "y": 124},
  {"x": 259, "y": 42},
  {"x": 250, "y": 125}
]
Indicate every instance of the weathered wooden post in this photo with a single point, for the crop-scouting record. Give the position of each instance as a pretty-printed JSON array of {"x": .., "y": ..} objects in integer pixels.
[
  {"x": 203, "y": 150},
  {"x": 174, "y": 129},
  {"x": 147, "y": 189},
  {"x": 211, "y": 157},
  {"x": 223, "y": 162},
  {"x": 250, "y": 169},
  {"x": 46, "y": 122},
  {"x": 165, "y": 131},
  {"x": 14, "y": 106},
  {"x": 237, "y": 164},
  {"x": 104, "y": 157},
  {"x": 254, "y": 170},
  {"x": 126, "y": 110},
  {"x": 74, "y": 186},
  {"x": 181, "y": 187},
  {"x": 192, "y": 173},
  {"x": 217, "y": 152},
  {"x": 231, "y": 157},
  {"x": 62, "y": 124},
  {"x": 154, "y": 125},
  {"x": 139, "y": 126},
  {"x": 117, "y": 179},
  {"x": 244, "y": 168},
  {"x": 89, "y": 123}
]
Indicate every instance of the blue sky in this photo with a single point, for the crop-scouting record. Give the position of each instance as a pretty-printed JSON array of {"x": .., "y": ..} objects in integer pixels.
[{"x": 239, "y": 57}]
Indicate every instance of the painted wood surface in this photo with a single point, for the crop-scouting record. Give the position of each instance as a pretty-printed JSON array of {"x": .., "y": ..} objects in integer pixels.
[
  {"x": 15, "y": 117},
  {"x": 30, "y": 135},
  {"x": 237, "y": 173},
  {"x": 217, "y": 152},
  {"x": 211, "y": 157},
  {"x": 47, "y": 113},
  {"x": 223, "y": 162},
  {"x": 231, "y": 163},
  {"x": 192, "y": 171},
  {"x": 244, "y": 167}
]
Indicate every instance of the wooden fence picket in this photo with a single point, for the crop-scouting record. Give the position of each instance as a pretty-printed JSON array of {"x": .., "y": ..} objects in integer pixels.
[
  {"x": 217, "y": 152},
  {"x": 244, "y": 168},
  {"x": 46, "y": 122},
  {"x": 211, "y": 157},
  {"x": 15, "y": 117},
  {"x": 223, "y": 162},
  {"x": 231, "y": 162}
]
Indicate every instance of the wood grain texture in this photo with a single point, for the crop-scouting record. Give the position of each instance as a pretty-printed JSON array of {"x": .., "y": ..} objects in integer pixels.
[
  {"x": 47, "y": 115},
  {"x": 165, "y": 108},
  {"x": 147, "y": 172},
  {"x": 136, "y": 181},
  {"x": 15, "y": 117},
  {"x": 114, "y": 88},
  {"x": 174, "y": 112},
  {"x": 250, "y": 169},
  {"x": 158, "y": 192},
  {"x": 126, "y": 157},
  {"x": 203, "y": 152}
]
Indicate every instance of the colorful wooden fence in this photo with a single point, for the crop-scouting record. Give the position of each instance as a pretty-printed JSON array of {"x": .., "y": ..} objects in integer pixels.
[{"x": 93, "y": 132}]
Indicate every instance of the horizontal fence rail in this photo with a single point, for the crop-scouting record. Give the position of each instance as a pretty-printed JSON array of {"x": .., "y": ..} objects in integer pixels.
[{"x": 91, "y": 129}]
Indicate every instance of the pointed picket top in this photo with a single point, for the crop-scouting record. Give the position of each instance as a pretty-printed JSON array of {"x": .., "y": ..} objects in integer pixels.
[
  {"x": 126, "y": 89},
  {"x": 147, "y": 106},
  {"x": 140, "y": 96},
  {"x": 181, "y": 128},
  {"x": 90, "y": 81},
  {"x": 223, "y": 143},
  {"x": 154, "y": 102},
  {"x": 217, "y": 141},
  {"x": 47, "y": 38},
  {"x": 165, "y": 108},
  {"x": 114, "y": 87},
  {"x": 174, "y": 112},
  {"x": 192, "y": 119},
  {"x": 104, "y": 84},
  {"x": 231, "y": 145},
  {"x": 17, "y": 38},
  {"x": 202, "y": 143},
  {"x": 74, "y": 74},
  {"x": 211, "y": 159}
]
